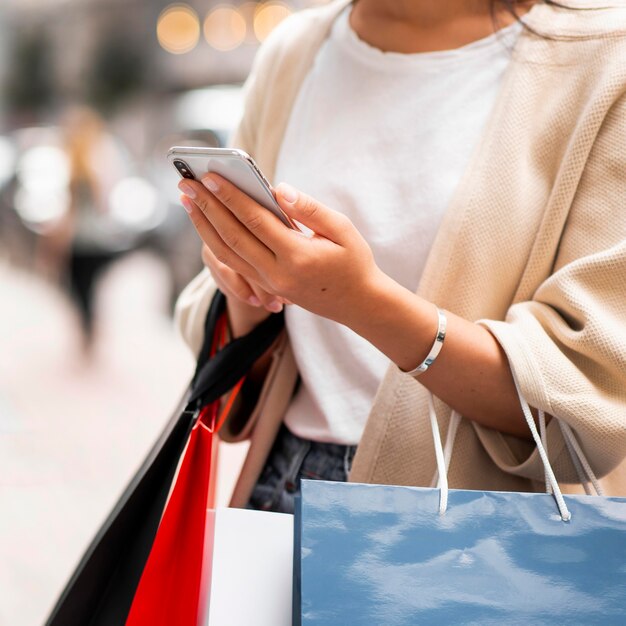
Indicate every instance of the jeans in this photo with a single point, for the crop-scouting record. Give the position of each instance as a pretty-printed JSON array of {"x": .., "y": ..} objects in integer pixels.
[{"x": 292, "y": 459}]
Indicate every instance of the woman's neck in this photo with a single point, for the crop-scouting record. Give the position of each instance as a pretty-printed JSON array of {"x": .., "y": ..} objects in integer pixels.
[{"x": 410, "y": 26}]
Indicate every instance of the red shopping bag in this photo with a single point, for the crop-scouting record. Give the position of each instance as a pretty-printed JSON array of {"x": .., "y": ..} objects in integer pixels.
[{"x": 169, "y": 589}]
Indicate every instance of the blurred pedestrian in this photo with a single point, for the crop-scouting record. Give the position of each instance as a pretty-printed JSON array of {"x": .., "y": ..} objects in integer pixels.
[{"x": 93, "y": 237}]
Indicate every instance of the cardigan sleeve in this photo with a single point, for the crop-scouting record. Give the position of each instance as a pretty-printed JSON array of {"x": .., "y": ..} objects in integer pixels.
[
  {"x": 567, "y": 346},
  {"x": 192, "y": 307}
]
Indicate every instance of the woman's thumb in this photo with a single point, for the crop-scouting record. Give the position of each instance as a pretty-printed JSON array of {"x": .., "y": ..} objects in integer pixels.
[{"x": 307, "y": 211}]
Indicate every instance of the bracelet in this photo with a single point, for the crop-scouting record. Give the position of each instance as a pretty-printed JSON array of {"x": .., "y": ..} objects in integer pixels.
[{"x": 437, "y": 345}]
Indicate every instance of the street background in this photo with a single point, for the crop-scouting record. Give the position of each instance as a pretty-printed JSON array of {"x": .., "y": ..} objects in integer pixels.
[{"x": 94, "y": 248}]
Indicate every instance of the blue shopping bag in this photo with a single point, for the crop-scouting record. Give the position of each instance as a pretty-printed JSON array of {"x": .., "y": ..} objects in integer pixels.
[
  {"x": 381, "y": 555},
  {"x": 384, "y": 555}
]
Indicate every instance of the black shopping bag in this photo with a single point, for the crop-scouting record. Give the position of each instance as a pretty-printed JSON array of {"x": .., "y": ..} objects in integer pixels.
[{"x": 101, "y": 589}]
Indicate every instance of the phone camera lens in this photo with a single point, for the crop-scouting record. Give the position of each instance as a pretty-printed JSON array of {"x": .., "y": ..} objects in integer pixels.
[{"x": 182, "y": 167}]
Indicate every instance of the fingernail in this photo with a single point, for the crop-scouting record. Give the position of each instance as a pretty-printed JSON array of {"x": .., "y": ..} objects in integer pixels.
[
  {"x": 186, "y": 202},
  {"x": 254, "y": 301},
  {"x": 187, "y": 189},
  {"x": 288, "y": 193},
  {"x": 210, "y": 184},
  {"x": 275, "y": 306}
]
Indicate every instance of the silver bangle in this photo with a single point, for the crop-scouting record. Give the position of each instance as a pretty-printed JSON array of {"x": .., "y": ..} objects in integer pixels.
[{"x": 437, "y": 345}]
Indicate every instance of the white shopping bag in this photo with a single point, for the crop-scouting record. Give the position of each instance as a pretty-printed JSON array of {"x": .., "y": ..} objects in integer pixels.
[{"x": 248, "y": 569}]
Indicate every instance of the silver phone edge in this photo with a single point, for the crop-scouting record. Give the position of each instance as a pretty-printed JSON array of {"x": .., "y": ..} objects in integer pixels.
[{"x": 175, "y": 151}]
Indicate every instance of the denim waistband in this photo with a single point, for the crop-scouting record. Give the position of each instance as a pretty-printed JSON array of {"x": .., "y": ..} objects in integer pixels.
[{"x": 293, "y": 458}]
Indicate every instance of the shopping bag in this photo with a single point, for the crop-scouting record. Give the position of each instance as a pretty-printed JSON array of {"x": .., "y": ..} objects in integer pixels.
[
  {"x": 102, "y": 587},
  {"x": 374, "y": 554},
  {"x": 248, "y": 571},
  {"x": 169, "y": 588}
]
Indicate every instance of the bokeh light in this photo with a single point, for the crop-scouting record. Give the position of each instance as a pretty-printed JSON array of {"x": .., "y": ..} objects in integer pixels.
[
  {"x": 43, "y": 174},
  {"x": 225, "y": 28},
  {"x": 218, "y": 107},
  {"x": 134, "y": 202},
  {"x": 178, "y": 29},
  {"x": 7, "y": 160},
  {"x": 268, "y": 16},
  {"x": 248, "y": 11}
]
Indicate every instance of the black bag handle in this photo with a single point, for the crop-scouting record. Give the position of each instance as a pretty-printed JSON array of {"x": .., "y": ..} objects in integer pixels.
[{"x": 217, "y": 375}]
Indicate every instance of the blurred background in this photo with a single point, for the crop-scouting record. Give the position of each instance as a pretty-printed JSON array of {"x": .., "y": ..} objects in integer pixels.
[{"x": 94, "y": 248}]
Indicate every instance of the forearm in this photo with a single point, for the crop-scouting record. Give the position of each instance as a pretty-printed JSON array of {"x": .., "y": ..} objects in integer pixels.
[
  {"x": 242, "y": 319},
  {"x": 471, "y": 374}
]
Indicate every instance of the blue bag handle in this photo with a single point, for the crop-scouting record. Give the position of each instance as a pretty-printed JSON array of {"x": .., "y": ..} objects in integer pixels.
[{"x": 578, "y": 458}]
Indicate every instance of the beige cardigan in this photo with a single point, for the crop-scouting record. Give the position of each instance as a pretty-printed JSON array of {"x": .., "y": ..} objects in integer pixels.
[{"x": 533, "y": 246}]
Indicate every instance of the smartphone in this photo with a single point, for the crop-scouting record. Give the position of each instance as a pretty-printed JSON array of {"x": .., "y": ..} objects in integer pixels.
[{"x": 235, "y": 166}]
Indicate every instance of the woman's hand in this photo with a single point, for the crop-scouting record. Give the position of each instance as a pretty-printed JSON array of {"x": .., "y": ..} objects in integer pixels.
[
  {"x": 247, "y": 304},
  {"x": 327, "y": 273},
  {"x": 333, "y": 274},
  {"x": 236, "y": 287}
]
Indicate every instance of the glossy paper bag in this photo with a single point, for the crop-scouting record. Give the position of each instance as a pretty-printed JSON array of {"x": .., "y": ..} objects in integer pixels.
[{"x": 372, "y": 554}]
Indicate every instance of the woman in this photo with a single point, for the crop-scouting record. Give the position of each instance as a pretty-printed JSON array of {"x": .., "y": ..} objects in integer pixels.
[{"x": 487, "y": 172}]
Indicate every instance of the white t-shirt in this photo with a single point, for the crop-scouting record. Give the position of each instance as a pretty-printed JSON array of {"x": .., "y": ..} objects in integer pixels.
[{"x": 383, "y": 137}]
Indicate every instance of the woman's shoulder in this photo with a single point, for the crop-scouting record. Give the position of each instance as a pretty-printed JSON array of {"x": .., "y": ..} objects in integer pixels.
[
  {"x": 586, "y": 38},
  {"x": 579, "y": 20}
]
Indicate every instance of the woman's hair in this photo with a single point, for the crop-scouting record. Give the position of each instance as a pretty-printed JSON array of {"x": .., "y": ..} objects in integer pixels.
[{"x": 511, "y": 5}]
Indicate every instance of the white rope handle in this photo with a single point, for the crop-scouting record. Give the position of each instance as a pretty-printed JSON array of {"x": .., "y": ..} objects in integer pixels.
[
  {"x": 556, "y": 491},
  {"x": 441, "y": 463},
  {"x": 453, "y": 427},
  {"x": 584, "y": 480},
  {"x": 442, "y": 466},
  {"x": 544, "y": 440},
  {"x": 579, "y": 459}
]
